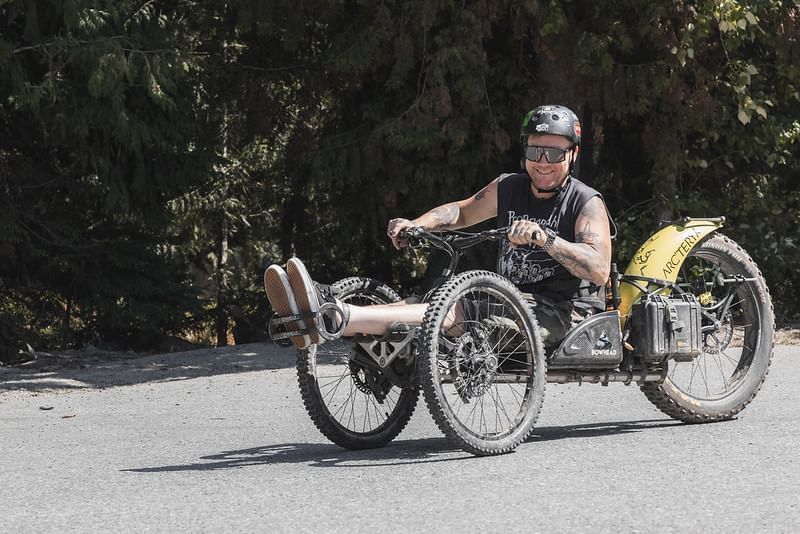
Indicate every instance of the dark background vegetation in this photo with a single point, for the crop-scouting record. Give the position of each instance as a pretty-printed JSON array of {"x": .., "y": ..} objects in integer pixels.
[{"x": 156, "y": 155}]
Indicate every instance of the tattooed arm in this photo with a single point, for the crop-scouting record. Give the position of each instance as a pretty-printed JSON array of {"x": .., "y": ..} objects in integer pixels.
[
  {"x": 589, "y": 257},
  {"x": 451, "y": 216},
  {"x": 444, "y": 217},
  {"x": 472, "y": 210}
]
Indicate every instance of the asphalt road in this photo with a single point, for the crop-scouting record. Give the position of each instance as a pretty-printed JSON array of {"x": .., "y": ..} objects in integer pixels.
[{"x": 219, "y": 441}]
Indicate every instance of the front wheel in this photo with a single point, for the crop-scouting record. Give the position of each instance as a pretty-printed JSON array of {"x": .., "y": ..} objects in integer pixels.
[
  {"x": 348, "y": 398},
  {"x": 482, "y": 363},
  {"x": 738, "y": 329}
]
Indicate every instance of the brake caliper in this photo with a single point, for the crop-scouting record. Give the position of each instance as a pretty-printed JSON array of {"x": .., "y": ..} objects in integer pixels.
[{"x": 706, "y": 299}]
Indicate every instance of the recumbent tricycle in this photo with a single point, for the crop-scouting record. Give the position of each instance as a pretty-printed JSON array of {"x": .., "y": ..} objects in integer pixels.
[{"x": 690, "y": 321}]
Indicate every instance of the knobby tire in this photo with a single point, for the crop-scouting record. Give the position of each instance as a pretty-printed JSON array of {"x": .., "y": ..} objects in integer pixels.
[
  {"x": 331, "y": 415},
  {"x": 688, "y": 400}
]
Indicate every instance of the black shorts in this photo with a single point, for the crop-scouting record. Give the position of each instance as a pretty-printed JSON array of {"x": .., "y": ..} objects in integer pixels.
[{"x": 554, "y": 317}]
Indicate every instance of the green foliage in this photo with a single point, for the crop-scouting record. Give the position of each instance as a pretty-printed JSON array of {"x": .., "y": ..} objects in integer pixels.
[
  {"x": 156, "y": 156},
  {"x": 99, "y": 125}
]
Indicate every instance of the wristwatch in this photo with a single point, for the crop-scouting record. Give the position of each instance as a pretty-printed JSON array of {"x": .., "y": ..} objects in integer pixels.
[{"x": 551, "y": 237}]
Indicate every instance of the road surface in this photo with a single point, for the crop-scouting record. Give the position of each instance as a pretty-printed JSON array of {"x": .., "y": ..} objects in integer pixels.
[{"x": 218, "y": 440}]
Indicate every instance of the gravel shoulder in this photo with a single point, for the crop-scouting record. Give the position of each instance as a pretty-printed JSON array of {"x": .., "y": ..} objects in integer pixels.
[{"x": 94, "y": 368}]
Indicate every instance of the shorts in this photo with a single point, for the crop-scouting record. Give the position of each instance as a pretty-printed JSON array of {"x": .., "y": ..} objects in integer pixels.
[{"x": 554, "y": 317}]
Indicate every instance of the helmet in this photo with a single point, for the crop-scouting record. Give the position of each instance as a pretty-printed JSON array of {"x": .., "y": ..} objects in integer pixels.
[{"x": 553, "y": 120}]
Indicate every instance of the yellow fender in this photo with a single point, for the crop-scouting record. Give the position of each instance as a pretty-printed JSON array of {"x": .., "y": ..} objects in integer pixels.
[{"x": 662, "y": 255}]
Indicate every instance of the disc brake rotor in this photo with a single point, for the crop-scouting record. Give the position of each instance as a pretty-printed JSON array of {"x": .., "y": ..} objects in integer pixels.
[
  {"x": 472, "y": 365},
  {"x": 718, "y": 340}
]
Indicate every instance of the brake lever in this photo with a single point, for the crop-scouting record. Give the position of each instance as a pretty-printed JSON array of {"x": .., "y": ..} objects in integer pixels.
[
  {"x": 499, "y": 233},
  {"x": 413, "y": 236}
]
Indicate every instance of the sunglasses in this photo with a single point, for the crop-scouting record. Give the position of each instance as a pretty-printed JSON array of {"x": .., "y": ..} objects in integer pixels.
[{"x": 553, "y": 155}]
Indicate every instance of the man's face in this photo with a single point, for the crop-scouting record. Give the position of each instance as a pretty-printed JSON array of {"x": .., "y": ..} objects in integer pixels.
[{"x": 546, "y": 175}]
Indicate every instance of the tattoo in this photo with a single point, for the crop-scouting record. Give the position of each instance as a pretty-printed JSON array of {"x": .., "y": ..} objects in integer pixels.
[
  {"x": 445, "y": 216},
  {"x": 482, "y": 193},
  {"x": 586, "y": 258},
  {"x": 586, "y": 235},
  {"x": 593, "y": 209},
  {"x": 583, "y": 262}
]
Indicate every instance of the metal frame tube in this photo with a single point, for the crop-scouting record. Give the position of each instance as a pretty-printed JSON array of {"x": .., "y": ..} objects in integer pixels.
[
  {"x": 579, "y": 377},
  {"x": 602, "y": 377}
]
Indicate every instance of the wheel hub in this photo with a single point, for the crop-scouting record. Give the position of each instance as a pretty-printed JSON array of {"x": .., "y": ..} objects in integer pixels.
[
  {"x": 473, "y": 366},
  {"x": 717, "y": 340}
]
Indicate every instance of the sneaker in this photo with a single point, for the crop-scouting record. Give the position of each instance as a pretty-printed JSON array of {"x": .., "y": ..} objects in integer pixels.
[
  {"x": 334, "y": 315},
  {"x": 281, "y": 298}
]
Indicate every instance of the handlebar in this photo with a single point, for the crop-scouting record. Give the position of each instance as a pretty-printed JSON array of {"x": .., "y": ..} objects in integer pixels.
[{"x": 451, "y": 240}]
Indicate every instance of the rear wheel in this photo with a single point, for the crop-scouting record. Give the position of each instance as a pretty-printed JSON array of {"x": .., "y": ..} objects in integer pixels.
[
  {"x": 350, "y": 400},
  {"x": 738, "y": 329},
  {"x": 482, "y": 364}
]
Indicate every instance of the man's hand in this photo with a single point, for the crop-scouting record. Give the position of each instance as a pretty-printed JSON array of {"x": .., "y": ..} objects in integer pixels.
[
  {"x": 394, "y": 229},
  {"x": 524, "y": 232},
  {"x": 450, "y": 216}
]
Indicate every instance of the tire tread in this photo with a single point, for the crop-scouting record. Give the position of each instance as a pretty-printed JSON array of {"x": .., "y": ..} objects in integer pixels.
[
  {"x": 314, "y": 405},
  {"x": 429, "y": 380},
  {"x": 661, "y": 397}
]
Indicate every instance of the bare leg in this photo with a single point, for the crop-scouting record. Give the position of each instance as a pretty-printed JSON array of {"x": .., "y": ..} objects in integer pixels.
[{"x": 377, "y": 319}]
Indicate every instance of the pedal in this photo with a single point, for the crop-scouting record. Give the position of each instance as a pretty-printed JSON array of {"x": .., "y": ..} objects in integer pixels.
[{"x": 277, "y": 329}]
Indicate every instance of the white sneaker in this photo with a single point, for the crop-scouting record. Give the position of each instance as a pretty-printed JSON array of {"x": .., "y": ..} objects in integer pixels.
[
  {"x": 282, "y": 299},
  {"x": 334, "y": 314}
]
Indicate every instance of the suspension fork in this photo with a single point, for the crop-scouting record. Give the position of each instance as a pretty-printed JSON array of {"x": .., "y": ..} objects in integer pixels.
[
  {"x": 450, "y": 270},
  {"x": 447, "y": 274}
]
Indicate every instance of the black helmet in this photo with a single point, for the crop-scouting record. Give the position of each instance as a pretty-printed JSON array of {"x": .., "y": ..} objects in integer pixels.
[{"x": 553, "y": 120}]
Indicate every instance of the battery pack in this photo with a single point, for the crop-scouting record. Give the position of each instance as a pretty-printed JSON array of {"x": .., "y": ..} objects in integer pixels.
[{"x": 666, "y": 327}]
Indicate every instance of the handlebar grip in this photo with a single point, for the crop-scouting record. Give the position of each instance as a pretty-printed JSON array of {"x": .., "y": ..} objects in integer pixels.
[{"x": 410, "y": 233}]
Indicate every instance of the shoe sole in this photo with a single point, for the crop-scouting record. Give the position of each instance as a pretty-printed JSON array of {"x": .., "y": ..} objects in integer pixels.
[
  {"x": 281, "y": 298},
  {"x": 306, "y": 295}
]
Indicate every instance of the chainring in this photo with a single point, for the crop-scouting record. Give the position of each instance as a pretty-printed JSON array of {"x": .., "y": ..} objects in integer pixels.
[
  {"x": 373, "y": 382},
  {"x": 360, "y": 384}
]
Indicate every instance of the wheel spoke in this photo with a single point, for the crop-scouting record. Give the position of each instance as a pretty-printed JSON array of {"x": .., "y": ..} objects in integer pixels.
[
  {"x": 344, "y": 406},
  {"x": 351, "y": 417},
  {"x": 501, "y": 404},
  {"x": 721, "y": 371},
  {"x": 472, "y": 375},
  {"x": 734, "y": 314},
  {"x": 335, "y": 388},
  {"x": 366, "y": 416},
  {"x": 334, "y": 384}
]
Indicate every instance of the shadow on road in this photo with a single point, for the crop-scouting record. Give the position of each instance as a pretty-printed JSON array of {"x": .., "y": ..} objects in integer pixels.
[
  {"x": 592, "y": 430},
  {"x": 102, "y": 370},
  {"x": 397, "y": 453},
  {"x": 322, "y": 455}
]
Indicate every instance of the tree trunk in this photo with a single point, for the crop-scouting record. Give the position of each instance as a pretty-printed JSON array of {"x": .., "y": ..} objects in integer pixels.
[
  {"x": 585, "y": 170},
  {"x": 663, "y": 142},
  {"x": 222, "y": 285},
  {"x": 664, "y": 190},
  {"x": 222, "y": 243}
]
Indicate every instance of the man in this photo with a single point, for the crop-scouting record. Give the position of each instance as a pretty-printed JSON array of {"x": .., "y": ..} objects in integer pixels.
[{"x": 558, "y": 248}]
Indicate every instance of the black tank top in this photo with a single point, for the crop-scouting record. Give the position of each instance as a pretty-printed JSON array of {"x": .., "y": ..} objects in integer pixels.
[{"x": 529, "y": 267}]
